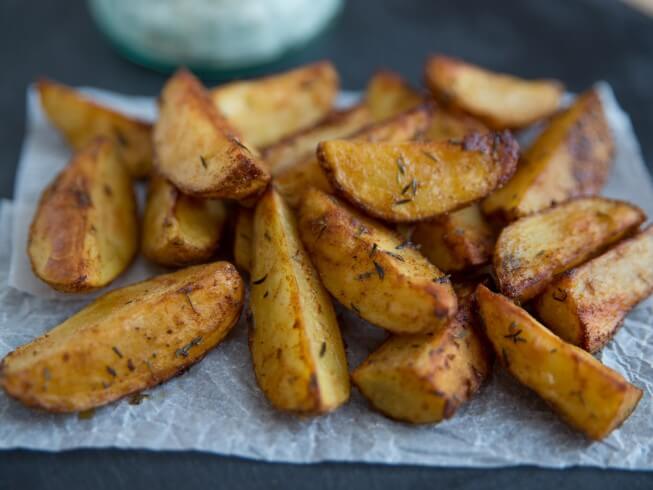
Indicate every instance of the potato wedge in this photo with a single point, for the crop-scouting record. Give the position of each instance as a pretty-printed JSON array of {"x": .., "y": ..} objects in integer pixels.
[
  {"x": 572, "y": 157},
  {"x": 301, "y": 145},
  {"x": 178, "y": 229},
  {"x": 426, "y": 378},
  {"x": 197, "y": 149},
  {"x": 371, "y": 270},
  {"x": 298, "y": 353},
  {"x": 85, "y": 231},
  {"x": 265, "y": 110},
  {"x": 587, "y": 395},
  {"x": 501, "y": 101},
  {"x": 457, "y": 240},
  {"x": 128, "y": 340},
  {"x": 447, "y": 125},
  {"x": 81, "y": 120},
  {"x": 403, "y": 182},
  {"x": 388, "y": 94},
  {"x": 244, "y": 239},
  {"x": 406, "y": 126},
  {"x": 530, "y": 252},
  {"x": 586, "y": 305}
]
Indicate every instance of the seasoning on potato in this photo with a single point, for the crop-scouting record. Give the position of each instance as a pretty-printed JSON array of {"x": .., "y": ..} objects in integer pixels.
[
  {"x": 586, "y": 394},
  {"x": 371, "y": 270},
  {"x": 586, "y": 305},
  {"x": 128, "y": 340},
  {"x": 85, "y": 231},
  {"x": 298, "y": 354},
  {"x": 530, "y": 252}
]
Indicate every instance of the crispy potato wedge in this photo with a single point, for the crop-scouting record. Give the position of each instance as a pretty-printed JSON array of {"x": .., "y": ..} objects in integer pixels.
[
  {"x": 588, "y": 395},
  {"x": 586, "y": 305},
  {"x": 447, "y": 125},
  {"x": 197, "y": 149},
  {"x": 426, "y": 378},
  {"x": 85, "y": 231},
  {"x": 178, "y": 229},
  {"x": 457, "y": 240},
  {"x": 298, "y": 353},
  {"x": 244, "y": 239},
  {"x": 370, "y": 270},
  {"x": 81, "y": 120},
  {"x": 572, "y": 157},
  {"x": 128, "y": 340},
  {"x": 501, "y": 101},
  {"x": 301, "y": 145},
  {"x": 530, "y": 252},
  {"x": 403, "y": 182},
  {"x": 406, "y": 126},
  {"x": 388, "y": 94},
  {"x": 265, "y": 110}
]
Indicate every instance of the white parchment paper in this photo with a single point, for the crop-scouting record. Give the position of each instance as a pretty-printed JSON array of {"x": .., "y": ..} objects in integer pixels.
[{"x": 217, "y": 407}]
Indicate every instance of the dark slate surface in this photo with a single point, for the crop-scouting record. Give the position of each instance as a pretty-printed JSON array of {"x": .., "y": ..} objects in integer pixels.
[{"x": 577, "y": 41}]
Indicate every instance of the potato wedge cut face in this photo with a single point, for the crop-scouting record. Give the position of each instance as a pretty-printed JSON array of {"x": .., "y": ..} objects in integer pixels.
[
  {"x": 500, "y": 101},
  {"x": 178, "y": 229},
  {"x": 267, "y": 109},
  {"x": 588, "y": 395},
  {"x": 414, "y": 181},
  {"x": 298, "y": 353},
  {"x": 85, "y": 231},
  {"x": 586, "y": 305},
  {"x": 371, "y": 270},
  {"x": 81, "y": 120},
  {"x": 448, "y": 125},
  {"x": 128, "y": 340},
  {"x": 198, "y": 150},
  {"x": 388, "y": 94},
  {"x": 244, "y": 238},
  {"x": 572, "y": 157},
  {"x": 530, "y": 252},
  {"x": 426, "y": 378}
]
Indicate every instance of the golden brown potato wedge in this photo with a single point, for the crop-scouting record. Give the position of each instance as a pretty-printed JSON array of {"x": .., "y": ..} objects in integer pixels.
[
  {"x": 501, "y": 101},
  {"x": 406, "y": 126},
  {"x": 178, "y": 229},
  {"x": 265, "y": 110},
  {"x": 530, "y": 252},
  {"x": 388, "y": 94},
  {"x": 588, "y": 395},
  {"x": 371, "y": 270},
  {"x": 301, "y": 145},
  {"x": 81, "y": 120},
  {"x": 403, "y": 182},
  {"x": 197, "y": 149},
  {"x": 426, "y": 378},
  {"x": 457, "y": 240},
  {"x": 586, "y": 305},
  {"x": 447, "y": 125},
  {"x": 298, "y": 354},
  {"x": 572, "y": 157},
  {"x": 244, "y": 239},
  {"x": 128, "y": 340},
  {"x": 85, "y": 231}
]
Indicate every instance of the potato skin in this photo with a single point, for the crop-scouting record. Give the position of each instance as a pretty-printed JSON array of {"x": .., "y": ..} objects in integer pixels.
[
  {"x": 586, "y": 305},
  {"x": 244, "y": 239},
  {"x": 388, "y": 94},
  {"x": 126, "y": 341},
  {"x": 426, "y": 378},
  {"x": 84, "y": 233},
  {"x": 501, "y": 101},
  {"x": 198, "y": 150},
  {"x": 81, "y": 120},
  {"x": 180, "y": 230},
  {"x": 298, "y": 354},
  {"x": 530, "y": 252},
  {"x": 267, "y": 109},
  {"x": 370, "y": 270},
  {"x": 572, "y": 157},
  {"x": 405, "y": 182},
  {"x": 586, "y": 394}
]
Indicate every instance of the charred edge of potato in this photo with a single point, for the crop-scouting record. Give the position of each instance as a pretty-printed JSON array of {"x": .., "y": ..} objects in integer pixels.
[
  {"x": 99, "y": 358},
  {"x": 388, "y": 94}
]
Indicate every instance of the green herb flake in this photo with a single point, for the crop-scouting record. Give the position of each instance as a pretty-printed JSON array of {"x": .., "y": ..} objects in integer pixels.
[
  {"x": 117, "y": 351},
  {"x": 379, "y": 269}
]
